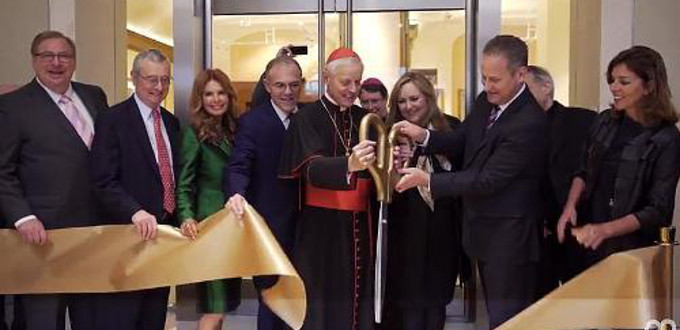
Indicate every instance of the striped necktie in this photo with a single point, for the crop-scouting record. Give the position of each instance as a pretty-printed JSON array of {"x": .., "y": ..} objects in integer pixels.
[
  {"x": 76, "y": 119},
  {"x": 493, "y": 116}
]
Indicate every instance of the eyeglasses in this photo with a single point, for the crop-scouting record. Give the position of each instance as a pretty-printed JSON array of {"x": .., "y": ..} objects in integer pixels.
[
  {"x": 294, "y": 86},
  {"x": 154, "y": 80},
  {"x": 49, "y": 56}
]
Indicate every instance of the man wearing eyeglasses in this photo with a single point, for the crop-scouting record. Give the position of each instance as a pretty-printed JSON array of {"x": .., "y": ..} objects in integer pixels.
[
  {"x": 133, "y": 173},
  {"x": 251, "y": 172},
  {"x": 47, "y": 129}
]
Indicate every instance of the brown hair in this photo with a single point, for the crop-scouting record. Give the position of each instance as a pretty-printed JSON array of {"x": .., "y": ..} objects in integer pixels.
[
  {"x": 511, "y": 48},
  {"x": 648, "y": 65},
  {"x": 208, "y": 127},
  {"x": 49, "y": 34},
  {"x": 434, "y": 115}
]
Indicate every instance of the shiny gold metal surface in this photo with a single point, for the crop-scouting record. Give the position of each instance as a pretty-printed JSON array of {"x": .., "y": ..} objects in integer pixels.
[
  {"x": 114, "y": 258},
  {"x": 624, "y": 291},
  {"x": 381, "y": 170}
]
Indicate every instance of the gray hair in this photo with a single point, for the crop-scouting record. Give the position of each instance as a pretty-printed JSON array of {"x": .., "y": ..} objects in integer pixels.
[
  {"x": 333, "y": 66},
  {"x": 152, "y": 54},
  {"x": 541, "y": 76}
]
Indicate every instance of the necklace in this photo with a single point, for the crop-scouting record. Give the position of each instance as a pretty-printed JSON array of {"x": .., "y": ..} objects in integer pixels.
[{"x": 345, "y": 144}]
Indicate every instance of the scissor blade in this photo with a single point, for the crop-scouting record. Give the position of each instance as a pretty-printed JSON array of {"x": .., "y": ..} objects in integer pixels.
[{"x": 380, "y": 263}]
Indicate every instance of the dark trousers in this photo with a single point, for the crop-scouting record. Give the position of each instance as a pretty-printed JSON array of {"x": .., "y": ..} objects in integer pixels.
[
  {"x": 398, "y": 318},
  {"x": 266, "y": 319},
  {"x": 48, "y": 311},
  {"x": 134, "y": 310},
  {"x": 508, "y": 288},
  {"x": 18, "y": 322}
]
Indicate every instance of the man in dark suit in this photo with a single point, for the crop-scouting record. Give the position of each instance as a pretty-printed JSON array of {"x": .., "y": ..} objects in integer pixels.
[
  {"x": 134, "y": 179},
  {"x": 502, "y": 146},
  {"x": 47, "y": 128},
  {"x": 567, "y": 132},
  {"x": 251, "y": 172}
]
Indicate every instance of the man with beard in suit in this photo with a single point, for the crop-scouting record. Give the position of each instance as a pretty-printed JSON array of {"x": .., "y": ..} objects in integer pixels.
[{"x": 47, "y": 129}]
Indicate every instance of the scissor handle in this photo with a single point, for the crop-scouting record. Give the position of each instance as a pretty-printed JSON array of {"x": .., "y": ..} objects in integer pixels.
[{"x": 380, "y": 170}]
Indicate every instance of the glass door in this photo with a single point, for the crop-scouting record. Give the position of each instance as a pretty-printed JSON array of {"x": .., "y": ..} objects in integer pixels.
[{"x": 392, "y": 37}]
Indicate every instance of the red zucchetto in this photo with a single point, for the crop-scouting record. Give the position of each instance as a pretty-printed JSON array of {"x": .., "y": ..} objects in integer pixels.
[{"x": 341, "y": 53}]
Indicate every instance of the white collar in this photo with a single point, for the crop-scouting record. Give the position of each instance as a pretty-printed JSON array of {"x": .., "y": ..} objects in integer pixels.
[
  {"x": 328, "y": 96},
  {"x": 505, "y": 105},
  {"x": 54, "y": 95},
  {"x": 144, "y": 109},
  {"x": 282, "y": 114}
]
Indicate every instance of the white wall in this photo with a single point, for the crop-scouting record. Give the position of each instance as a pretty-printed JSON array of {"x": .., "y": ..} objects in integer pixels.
[
  {"x": 96, "y": 32},
  {"x": 20, "y": 21}
]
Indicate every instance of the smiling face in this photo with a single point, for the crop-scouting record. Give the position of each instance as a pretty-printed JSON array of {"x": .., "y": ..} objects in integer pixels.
[
  {"x": 283, "y": 83},
  {"x": 215, "y": 99},
  {"x": 344, "y": 84},
  {"x": 627, "y": 88},
  {"x": 412, "y": 104},
  {"x": 54, "y": 63},
  {"x": 500, "y": 82},
  {"x": 152, "y": 82}
]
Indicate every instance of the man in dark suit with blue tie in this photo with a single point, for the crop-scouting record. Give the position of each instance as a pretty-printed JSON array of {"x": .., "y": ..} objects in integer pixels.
[
  {"x": 133, "y": 175},
  {"x": 251, "y": 172},
  {"x": 47, "y": 128},
  {"x": 502, "y": 146}
]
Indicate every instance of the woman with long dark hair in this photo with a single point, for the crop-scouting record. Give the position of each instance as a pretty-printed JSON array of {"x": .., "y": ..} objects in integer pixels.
[
  {"x": 205, "y": 149},
  {"x": 625, "y": 189}
]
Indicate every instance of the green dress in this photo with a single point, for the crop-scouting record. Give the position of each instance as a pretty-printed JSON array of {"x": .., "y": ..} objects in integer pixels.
[{"x": 199, "y": 194}]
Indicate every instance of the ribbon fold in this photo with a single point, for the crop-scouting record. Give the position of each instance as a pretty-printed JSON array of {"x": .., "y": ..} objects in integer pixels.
[{"x": 114, "y": 258}]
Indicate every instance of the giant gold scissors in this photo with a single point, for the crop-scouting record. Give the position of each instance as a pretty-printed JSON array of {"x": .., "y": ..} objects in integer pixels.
[{"x": 381, "y": 171}]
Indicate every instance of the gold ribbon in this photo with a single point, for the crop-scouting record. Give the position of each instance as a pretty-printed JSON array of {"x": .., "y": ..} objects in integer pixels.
[
  {"x": 114, "y": 258},
  {"x": 626, "y": 290}
]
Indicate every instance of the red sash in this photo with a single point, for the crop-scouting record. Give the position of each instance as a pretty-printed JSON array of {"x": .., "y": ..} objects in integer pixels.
[{"x": 346, "y": 200}]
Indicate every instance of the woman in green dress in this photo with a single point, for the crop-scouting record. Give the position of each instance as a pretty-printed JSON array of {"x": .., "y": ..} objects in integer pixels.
[{"x": 206, "y": 145}]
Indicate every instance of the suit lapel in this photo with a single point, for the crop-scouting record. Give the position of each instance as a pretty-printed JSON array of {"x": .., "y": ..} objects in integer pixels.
[
  {"x": 88, "y": 101},
  {"x": 139, "y": 129},
  {"x": 486, "y": 136},
  {"x": 274, "y": 118},
  {"x": 53, "y": 111}
]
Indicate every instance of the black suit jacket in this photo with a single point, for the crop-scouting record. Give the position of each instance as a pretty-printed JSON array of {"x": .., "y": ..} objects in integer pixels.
[
  {"x": 568, "y": 130},
  {"x": 252, "y": 167},
  {"x": 499, "y": 180},
  {"x": 43, "y": 161},
  {"x": 124, "y": 171}
]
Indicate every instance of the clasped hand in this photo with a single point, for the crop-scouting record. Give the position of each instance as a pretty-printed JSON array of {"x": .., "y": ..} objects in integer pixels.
[{"x": 363, "y": 155}]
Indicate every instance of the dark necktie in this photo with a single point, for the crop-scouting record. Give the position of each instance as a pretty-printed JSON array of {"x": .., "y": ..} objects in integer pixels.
[
  {"x": 164, "y": 164},
  {"x": 493, "y": 116}
]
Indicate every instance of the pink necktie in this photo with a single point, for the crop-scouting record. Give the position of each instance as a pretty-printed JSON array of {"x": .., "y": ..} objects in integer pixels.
[
  {"x": 164, "y": 164},
  {"x": 76, "y": 119}
]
